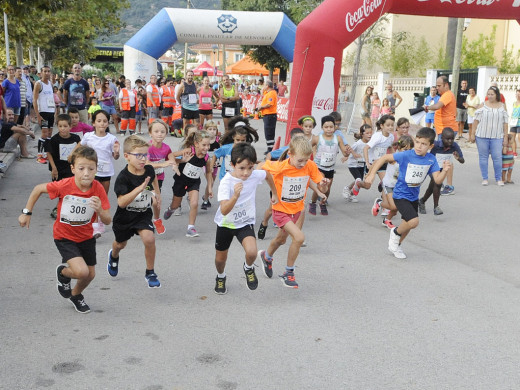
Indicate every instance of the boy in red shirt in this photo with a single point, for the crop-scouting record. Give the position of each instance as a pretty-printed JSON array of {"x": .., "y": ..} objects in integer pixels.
[{"x": 81, "y": 199}]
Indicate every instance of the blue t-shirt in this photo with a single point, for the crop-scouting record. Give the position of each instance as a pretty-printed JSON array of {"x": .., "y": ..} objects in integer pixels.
[
  {"x": 413, "y": 169},
  {"x": 222, "y": 152},
  {"x": 12, "y": 95},
  {"x": 428, "y": 102},
  {"x": 275, "y": 154}
]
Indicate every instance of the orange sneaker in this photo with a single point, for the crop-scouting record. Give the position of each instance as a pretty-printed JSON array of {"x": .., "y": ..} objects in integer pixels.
[{"x": 159, "y": 227}]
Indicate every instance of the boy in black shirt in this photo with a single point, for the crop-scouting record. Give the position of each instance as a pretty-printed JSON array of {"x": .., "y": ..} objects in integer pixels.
[{"x": 134, "y": 207}]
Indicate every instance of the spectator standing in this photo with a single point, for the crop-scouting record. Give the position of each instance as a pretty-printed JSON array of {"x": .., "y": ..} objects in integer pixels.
[
  {"x": 11, "y": 88},
  {"x": 269, "y": 108},
  {"x": 28, "y": 95},
  {"x": 430, "y": 100},
  {"x": 393, "y": 97},
  {"x": 462, "y": 111},
  {"x": 23, "y": 96},
  {"x": 76, "y": 92},
  {"x": 282, "y": 89}
]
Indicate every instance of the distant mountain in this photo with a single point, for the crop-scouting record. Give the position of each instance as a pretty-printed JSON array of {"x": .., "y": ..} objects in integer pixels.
[{"x": 141, "y": 11}]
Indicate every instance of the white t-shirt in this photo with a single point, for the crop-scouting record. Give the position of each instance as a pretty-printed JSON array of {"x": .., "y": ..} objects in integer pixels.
[
  {"x": 379, "y": 145},
  {"x": 391, "y": 174},
  {"x": 244, "y": 211},
  {"x": 104, "y": 147},
  {"x": 357, "y": 147}
]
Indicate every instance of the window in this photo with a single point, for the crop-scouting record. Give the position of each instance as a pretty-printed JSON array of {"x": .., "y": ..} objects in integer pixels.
[{"x": 238, "y": 56}]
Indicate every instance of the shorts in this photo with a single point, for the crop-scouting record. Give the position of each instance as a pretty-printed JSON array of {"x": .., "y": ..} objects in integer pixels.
[
  {"x": 130, "y": 114},
  {"x": 234, "y": 107},
  {"x": 190, "y": 114},
  {"x": 327, "y": 174},
  {"x": 225, "y": 235},
  {"x": 470, "y": 119},
  {"x": 407, "y": 208},
  {"x": 153, "y": 112},
  {"x": 64, "y": 175},
  {"x": 205, "y": 112},
  {"x": 167, "y": 111},
  {"x": 111, "y": 110},
  {"x": 69, "y": 249},
  {"x": 123, "y": 235},
  {"x": 462, "y": 115},
  {"x": 388, "y": 190},
  {"x": 365, "y": 115},
  {"x": 383, "y": 168},
  {"x": 138, "y": 117},
  {"x": 280, "y": 218},
  {"x": 358, "y": 172},
  {"x": 180, "y": 187},
  {"x": 101, "y": 179},
  {"x": 428, "y": 120},
  {"x": 16, "y": 110},
  {"x": 48, "y": 120},
  {"x": 515, "y": 129}
]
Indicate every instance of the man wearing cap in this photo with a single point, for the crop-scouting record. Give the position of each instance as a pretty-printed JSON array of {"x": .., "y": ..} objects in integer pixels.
[
  {"x": 268, "y": 108},
  {"x": 76, "y": 92}
]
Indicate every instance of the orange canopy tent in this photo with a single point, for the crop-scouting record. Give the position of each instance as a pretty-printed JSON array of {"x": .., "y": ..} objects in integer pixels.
[{"x": 246, "y": 66}]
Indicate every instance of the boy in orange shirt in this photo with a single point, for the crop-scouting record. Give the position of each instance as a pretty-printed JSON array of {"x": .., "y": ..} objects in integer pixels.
[{"x": 291, "y": 179}]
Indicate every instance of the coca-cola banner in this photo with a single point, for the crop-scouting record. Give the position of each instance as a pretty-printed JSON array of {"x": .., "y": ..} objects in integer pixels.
[
  {"x": 322, "y": 36},
  {"x": 250, "y": 102}
]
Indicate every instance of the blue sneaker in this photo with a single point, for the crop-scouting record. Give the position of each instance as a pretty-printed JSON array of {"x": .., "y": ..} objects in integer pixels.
[
  {"x": 288, "y": 279},
  {"x": 152, "y": 280},
  {"x": 112, "y": 265},
  {"x": 448, "y": 190}
]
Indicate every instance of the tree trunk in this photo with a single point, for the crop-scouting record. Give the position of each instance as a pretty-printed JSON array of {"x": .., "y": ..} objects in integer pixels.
[
  {"x": 355, "y": 71},
  {"x": 451, "y": 37},
  {"x": 19, "y": 52}
]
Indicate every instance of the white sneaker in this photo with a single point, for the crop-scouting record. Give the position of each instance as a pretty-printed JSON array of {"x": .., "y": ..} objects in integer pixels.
[
  {"x": 346, "y": 193},
  {"x": 393, "y": 242},
  {"x": 354, "y": 199},
  {"x": 399, "y": 254},
  {"x": 178, "y": 211},
  {"x": 385, "y": 212}
]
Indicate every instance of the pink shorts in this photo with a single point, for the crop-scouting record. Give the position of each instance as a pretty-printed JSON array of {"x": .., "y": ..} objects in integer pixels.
[{"x": 280, "y": 218}]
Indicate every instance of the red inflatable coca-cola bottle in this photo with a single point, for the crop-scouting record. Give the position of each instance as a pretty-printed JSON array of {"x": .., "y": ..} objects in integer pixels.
[{"x": 323, "y": 100}]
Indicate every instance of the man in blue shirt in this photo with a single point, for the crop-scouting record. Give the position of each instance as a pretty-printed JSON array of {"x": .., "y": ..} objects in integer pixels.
[{"x": 430, "y": 100}]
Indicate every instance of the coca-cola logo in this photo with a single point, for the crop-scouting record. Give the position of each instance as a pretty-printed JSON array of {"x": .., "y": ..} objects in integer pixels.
[
  {"x": 366, "y": 9},
  {"x": 323, "y": 104},
  {"x": 516, "y": 3}
]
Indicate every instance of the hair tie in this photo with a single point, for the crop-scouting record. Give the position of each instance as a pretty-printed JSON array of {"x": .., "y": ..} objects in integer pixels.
[
  {"x": 308, "y": 118},
  {"x": 240, "y": 124}
]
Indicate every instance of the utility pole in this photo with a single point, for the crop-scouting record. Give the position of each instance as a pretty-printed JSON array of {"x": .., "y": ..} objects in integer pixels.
[
  {"x": 457, "y": 56},
  {"x": 6, "y": 32},
  {"x": 186, "y": 45}
]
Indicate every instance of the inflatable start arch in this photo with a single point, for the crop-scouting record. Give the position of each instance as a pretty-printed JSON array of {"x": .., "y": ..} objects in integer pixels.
[
  {"x": 322, "y": 36},
  {"x": 172, "y": 25}
]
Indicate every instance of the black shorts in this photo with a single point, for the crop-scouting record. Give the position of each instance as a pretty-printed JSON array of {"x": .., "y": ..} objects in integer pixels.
[
  {"x": 69, "y": 249},
  {"x": 358, "y": 172},
  {"x": 383, "y": 167},
  {"x": 124, "y": 234},
  {"x": 130, "y": 114},
  {"x": 327, "y": 174},
  {"x": 233, "y": 106},
  {"x": 167, "y": 111},
  {"x": 101, "y": 179},
  {"x": 225, "y": 236},
  {"x": 189, "y": 114},
  {"x": 515, "y": 129},
  {"x": 407, "y": 209},
  {"x": 63, "y": 175},
  {"x": 48, "y": 120},
  {"x": 205, "y": 112},
  {"x": 180, "y": 187}
]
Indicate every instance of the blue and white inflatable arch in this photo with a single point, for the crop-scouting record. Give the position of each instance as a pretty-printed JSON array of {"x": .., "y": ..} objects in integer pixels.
[{"x": 172, "y": 25}]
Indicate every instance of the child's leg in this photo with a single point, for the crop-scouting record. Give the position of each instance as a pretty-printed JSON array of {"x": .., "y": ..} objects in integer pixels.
[
  {"x": 156, "y": 211},
  {"x": 449, "y": 176},
  {"x": 194, "y": 204},
  {"x": 80, "y": 271},
  {"x": 277, "y": 242},
  {"x": 148, "y": 239},
  {"x": 220, "y": 261},
  {"x": 297, "y": 240},
  {"x": 428, "y": 192},
  {"x": 250, "y": 248},
  {"x": 404, "y": 228},
  {"x": 504, "y": 175},
  {"x": 176, "y": 202},
  {"x": 509, "y": 173},
  {"x": 267, "y": 214},
  {"x": 301, "y": 220},
  {"x": 329, "y": 187},
  {"x": 117, "y": 247}
]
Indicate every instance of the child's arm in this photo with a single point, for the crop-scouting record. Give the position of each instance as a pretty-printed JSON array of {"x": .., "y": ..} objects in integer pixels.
[
  {"x": 157, "y": 191},
  {"x": 345, "y": 149},
  {"x": 227, "y": 205},
  {"x": 314, "y": 141},
  {"x": 313, "y": 186},
  {"x": 115, "y": 150},
  {"x": 387, "y": 158},
  {"x": 458, "y": 157},
  {"x": 25, "y": 219},
  {"x": 103, "y": 214},
  {"x": 186, "y": 154},
  {"x": 125, "y": 200},
  {"x": 209, "y": 177},
  {"x": 213, "y": 160},
  {"x": 174, "y": 164},
  {"x": 438, "y": 176},
  {"x": 365, "y": 155},
  {"x": 54, "y": 172},
  {"x": 270, "y": 181}
]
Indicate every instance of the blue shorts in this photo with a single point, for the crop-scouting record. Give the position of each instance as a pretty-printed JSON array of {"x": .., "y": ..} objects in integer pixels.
[
  {"x": 428, "y": 120},
  {"x": 110, "y": 109}
]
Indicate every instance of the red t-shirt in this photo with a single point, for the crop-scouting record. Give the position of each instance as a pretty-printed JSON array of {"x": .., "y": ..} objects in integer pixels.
[{"x": 75, "y": 216}]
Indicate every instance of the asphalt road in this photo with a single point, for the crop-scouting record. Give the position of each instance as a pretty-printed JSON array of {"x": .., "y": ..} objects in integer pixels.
[{"x": 445, "y": 318}]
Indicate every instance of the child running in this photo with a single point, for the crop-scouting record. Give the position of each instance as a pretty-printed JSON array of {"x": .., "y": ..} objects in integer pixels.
[
  {"x": 508, "y": 159},
  {"x": 307, "y": 123},
  {"x": 211, "y": 128},
  {"x": 356, "y": 164},
  {"x": 160, "y": 156},
  {"x": 107, "y": 149},
  {"x": 236, "y": 215},
  {"x": 443, "y": 149},
  {"x": 81, "y": 199},
  {"x": 291, "y": 178},
  {"x": 134, "y": 207},
  {"x": 194, "y": 158},
  {"x": 414, "y": 166}
]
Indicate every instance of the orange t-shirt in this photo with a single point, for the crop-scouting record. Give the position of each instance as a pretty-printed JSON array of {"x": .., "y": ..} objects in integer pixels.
[
  {"x": 445, "y": 117},
  {"x": 269, "y": 98},
  {"x": 291, "y": 183}
]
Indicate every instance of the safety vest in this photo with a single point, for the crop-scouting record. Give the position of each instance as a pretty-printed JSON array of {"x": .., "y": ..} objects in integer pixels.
[
  {"x": 125, "y": 101},
  {"x": 177, "y": 112},
  {"x": 155, "y": 96},
  {"x": 168, "y": 96}
]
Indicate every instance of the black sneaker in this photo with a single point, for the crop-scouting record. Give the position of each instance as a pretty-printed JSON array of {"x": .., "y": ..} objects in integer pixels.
[
  {"x": 251, "y": 279},
  {"x": 261, "y": 231},
  {"x": 112, "y": 265},
  {"x": 63, "y": 283},
  {"x": 267, "y": 265},
  {"x": 209, "y": 203},
  {"x": 204, "y": 205},
  {"x": 79, "y": 304},
  {"x": 220, "y": 286},
  {"x": 54, "y": 213}
]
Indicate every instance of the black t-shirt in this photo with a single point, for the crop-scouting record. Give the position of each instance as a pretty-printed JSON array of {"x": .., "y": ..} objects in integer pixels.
[
  {"x": 6, "y": 133},
  {"x": 461, "y": 98},
  {"x": 60, "y": 148},
  {"x": 141, "y": 207},
  {"x": 191, "y": 169},
  {"x": 78, "y": 93}
]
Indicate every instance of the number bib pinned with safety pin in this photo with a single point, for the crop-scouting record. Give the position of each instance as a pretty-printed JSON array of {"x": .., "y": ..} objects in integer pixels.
[
  {"x": 294, "y": 188},
  {"x": 141, "y": 203},
  {"x": 415, "y": 174},
  {"x": 241, "y": 213},
  {"x": 75, "y": 211},
  {"x": 192, "y": 171}
]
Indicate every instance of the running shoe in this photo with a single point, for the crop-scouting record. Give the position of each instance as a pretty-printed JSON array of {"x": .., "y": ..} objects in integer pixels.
[
  {"x": 393, "y": 241},
  {"x": 96, "y": 233},
  {"x": 323, "y": 209},
  {"x": 346, "y": 193},
  {"x": 288, "y": 279},
  {"x": 355, "y": 189},
  {"x": 79, "y": 304},
  {"x": 152, "y": 280},
  {"x": 422, "y": 207},
  {"x": 267, "y": 264},
  {"x": 485, "y": 182},
  {"x": 261, "y": 231},
  {"x": 437, "y": 211},
  {"x": 159, "y": 227},
  {"x": 380, "y": 187},
  {"x": 376, "y": 206},
  {"x": 204, "y": 205},
  {"x": 251, "y": 279},
  {"x": 500, "y": 183},
  {"x": 54, "y": 213},
  {"x": 388, "y": 223},
  {"x": 112, "y": 265},
  {"x": 168, "y": 213},
  {"x": 399, "y": 254},
  {"x": 354, "y": 199},
  {"x": 385, "y": 212},
  {"x": 208, "y": 202},
  {"x": 448, "y": 190},
  {"x": 177, "y": 212},
  {"x": 220, "y": 286},
  {"x": 63, "y": 283},
  {"x": 191, "y": 232},
  {"x": 312, "y": 208}
]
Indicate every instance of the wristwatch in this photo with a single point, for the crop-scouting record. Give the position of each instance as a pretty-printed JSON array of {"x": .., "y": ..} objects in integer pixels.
[{"x": 26, "y": 212}]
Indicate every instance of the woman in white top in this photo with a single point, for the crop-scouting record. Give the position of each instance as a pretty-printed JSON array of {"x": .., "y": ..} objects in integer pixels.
[
  {"x": 491, "y": 124},
  {"x": 472, "y": 103}
]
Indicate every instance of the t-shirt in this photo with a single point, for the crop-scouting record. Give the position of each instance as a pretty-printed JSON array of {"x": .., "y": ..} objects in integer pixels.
[
  {"x": 156, "y": 155},
  {"x": 462, "y": 95},
  {"x": 379, "y": 144},
  {"x": 6, "y": 133},
  {"x": 271, "y": 98},
  {"x": 78, "y": 92},
  {"x": 430, "y": 101},
  {"x": 224, "y": 152},
  {"x": 140, "y": 209},
  {"x": 357, "y": 147},
  {"x": 82, "y": 128},
  {"x": 275, "y": 154},
  {"x": 515, "y": 115},
  {"x": 391, "y": 174},
  {"x": 12, "y": 95},
  {"x": 192, "y": 170},
  {"x": 442, "y": 153},
  {"x": 75, "y": 216},
  {"x": 244, "y": 211},
  {"x": 445, "y": 116},
  {"x": 413, "y": 169},
  {"x": 60, "y": 148},
  {"x": 94, "y": 108},
  {"x": 292, "y": 183},
  {"x": 104, "y": 146}
]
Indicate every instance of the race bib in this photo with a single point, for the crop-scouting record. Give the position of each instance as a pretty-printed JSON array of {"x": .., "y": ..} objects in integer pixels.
[
  {"x": 192, "y": 171},
  {"x": 206, "y": 100},
  {"x": 66, "y": 150},
  {"x": 50, "y": 102},
  {"x": 443, "y": 157},
  {"x": 159, "y": 171},
  {"x": 415, "y": 174},
  {"x": 328, "y": 159},
  {"x": 229, "y": 111},
  {"x": 141, "y": 203},
  {"x": 75, "y": 211},
  {"x": 294, "y": 188},
  {"x": 227, "y": 163},
  {"x": 379, "y": 152},
  {"x": 103, "y": 166},
  {"x": 241, "y": 213},
  {"x": 192, "y": 98}
]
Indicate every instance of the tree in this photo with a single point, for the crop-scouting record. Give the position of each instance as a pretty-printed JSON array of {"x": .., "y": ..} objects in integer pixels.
[
  {"x": 406, "y": 56},
  {"x": 510, "y": 61},
  {"x": 480, "y": 52}
]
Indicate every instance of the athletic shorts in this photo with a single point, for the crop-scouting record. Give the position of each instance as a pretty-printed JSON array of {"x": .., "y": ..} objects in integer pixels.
[
  {"x": 428, "y": 120},
  {"x": 515, "y": 129},
  {"x": 130, "y": 114},
  {"x": 327, "y": 174},
  {"x": 123, "y": 235},
  {"x": 407, "y": 209},
  {"x": 180, "y": 187},
  {"x": 189, "y": 114},
  {"x": 462, "y": 115},
  {"x": 358, "y": 172},
  {"x": 167, "y": 111},
  {"x": 280, "y": 218},
  {"x": 69, "y": 249},
  {"x": 225, "y": 236},
  {"x": 383, "y": 168},
  {"x": 101, "y": 179},
  {"x": 48, "y": 120},
  {"x": 233, "y": 106},
  {"x": 471, "y": 119},
  {"x": 205, "y": 112},
  {"x": 153, "y": 112}
]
